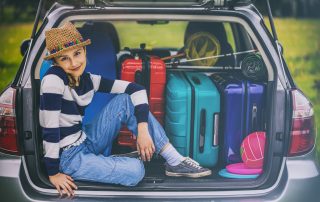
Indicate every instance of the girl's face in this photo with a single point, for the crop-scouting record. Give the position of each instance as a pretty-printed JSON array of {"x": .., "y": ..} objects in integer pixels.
[{"x": 73, "y": 61}]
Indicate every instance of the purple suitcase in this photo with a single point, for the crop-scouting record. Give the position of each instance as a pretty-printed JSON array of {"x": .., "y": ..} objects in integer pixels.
[{"x": 242, "y": 104}]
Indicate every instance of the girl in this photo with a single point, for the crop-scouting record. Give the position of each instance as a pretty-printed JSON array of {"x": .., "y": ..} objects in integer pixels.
[{"x": 73, "y": 151}]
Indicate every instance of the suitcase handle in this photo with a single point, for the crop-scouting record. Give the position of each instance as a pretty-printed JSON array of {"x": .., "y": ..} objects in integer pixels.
[
  {"x": 202, "y": 130},
  {"x": 145, "y": 74},
  {"x": 254, "y": 120},
  {"x": 215, "y": 131}
]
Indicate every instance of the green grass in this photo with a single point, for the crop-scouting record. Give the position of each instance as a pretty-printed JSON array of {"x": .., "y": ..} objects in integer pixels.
[
  {"x": 10, "y": 57},
  {"x": 299, "y": 37},
  {"x": 301, "y": 41}
]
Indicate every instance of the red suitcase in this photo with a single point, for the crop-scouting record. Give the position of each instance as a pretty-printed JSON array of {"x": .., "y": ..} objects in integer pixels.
[{"x": 151, "y": 73}]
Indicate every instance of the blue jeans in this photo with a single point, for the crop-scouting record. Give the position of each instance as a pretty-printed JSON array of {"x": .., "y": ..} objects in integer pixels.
[{"x": 91, "y": 160}]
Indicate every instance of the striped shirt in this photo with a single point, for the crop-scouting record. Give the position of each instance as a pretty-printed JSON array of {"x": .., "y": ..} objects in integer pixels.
[{"x": 62, "y": 108}]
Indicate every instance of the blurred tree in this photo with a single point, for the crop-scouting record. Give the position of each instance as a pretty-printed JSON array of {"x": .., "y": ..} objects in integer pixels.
[
  {"x": 24, "y": 10},
  {"x": 291, "y": 8},
  {"x": 17, "y": 10},
  {"x": 25, "y": 7},
  {"x": 2, "y": 6}
]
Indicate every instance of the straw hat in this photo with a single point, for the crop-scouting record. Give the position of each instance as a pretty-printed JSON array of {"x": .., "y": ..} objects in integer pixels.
[{"x": 62, "y": 39}]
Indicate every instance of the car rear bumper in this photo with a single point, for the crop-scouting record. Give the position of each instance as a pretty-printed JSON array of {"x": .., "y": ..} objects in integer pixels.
[
  {"x": 10, "y": 183},
  {"x": 300, "y": 181}
]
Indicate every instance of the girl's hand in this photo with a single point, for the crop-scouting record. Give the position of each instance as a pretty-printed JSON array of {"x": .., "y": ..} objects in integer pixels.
[
  {"x": 63, "y": 182},
  {"x": 145, "y": 144}
]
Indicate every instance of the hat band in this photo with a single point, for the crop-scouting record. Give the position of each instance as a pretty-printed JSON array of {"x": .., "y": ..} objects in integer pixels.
[{"x": 66, "y": 45}]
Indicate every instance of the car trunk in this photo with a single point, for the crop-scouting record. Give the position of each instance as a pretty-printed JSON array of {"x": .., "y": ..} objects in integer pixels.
[{"x": 155, "y": 178}]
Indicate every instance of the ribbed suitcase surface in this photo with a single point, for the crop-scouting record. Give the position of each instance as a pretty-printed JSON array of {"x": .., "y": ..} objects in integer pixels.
[
  {"x": 241, "y": 112},
  {"x": 150, "y": 73},
  {"x": 192, "y": 112},
  {"x": 178, "y": 112}
]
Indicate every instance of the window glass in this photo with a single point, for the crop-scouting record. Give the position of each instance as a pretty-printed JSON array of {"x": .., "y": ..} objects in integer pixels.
[
  {"x": 183, "y": 44},
  {"x": 230, "y": 36},
  {"x": 197, "y": 44},
  {"x": 157, "y": 34}
]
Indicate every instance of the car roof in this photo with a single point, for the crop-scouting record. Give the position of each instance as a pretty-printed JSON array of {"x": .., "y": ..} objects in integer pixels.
[
  {"x": 212, "y": 4},
  {"x": 149, "y": 5}
]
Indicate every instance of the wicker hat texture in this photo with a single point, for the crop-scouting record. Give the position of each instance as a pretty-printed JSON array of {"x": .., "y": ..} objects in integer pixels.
[{"x": 61, "y": 39}]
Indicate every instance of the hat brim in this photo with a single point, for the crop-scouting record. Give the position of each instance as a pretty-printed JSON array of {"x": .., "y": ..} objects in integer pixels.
[{"x": 84, "y": 43}]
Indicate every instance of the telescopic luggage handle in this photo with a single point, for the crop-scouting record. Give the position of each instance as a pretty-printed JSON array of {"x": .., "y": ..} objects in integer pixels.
[
  {"x": 138, "y": 78},
  {"x": 143, "y": 77}
]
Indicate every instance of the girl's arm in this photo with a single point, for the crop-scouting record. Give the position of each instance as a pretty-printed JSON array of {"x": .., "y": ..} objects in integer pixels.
[
  {"x": 51, "y": 92},
  {"x": 145, "y": 145},
  {"x": 137, "y": 94},
  {"x": 63, "y": 182}
]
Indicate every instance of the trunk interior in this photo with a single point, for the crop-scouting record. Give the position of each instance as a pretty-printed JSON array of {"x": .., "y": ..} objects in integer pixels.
[
  {"x": 155, "y": 177},
  {"x": 251, "y": 121}
]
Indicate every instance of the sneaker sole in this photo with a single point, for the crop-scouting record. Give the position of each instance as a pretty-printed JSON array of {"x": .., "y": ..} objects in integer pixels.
[
  {"x": 133, "y": 154},
  {"x": 192, "y": 175}
]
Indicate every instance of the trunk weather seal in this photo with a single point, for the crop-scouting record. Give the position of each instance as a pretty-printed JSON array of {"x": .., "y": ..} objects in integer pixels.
[{"x": 267, "y": 54}]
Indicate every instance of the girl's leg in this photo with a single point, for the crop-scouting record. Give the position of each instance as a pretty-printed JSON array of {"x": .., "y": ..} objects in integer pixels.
[
  {"x": 81, "y": 164},
  {"x": 176, "y": 165},
  {"x": 105, "y": 128},
  {"x": 156, "y": 131},
  {"x": 89, "y": 161}
]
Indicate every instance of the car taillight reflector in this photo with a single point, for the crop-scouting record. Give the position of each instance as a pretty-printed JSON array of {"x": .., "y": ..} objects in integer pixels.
[
  {"x": 8, "y": 128},
  {"x": 303, "y": 125}
]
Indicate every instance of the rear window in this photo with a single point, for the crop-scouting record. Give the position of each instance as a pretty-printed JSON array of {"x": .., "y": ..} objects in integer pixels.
[
  {"x": 155, "y": 34},
  {"x": 196, "y": 41},
  {"x": 182, "y": 44}
]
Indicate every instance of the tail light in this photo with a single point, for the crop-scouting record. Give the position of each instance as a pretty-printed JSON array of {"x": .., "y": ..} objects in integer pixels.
[
  {"x": 303, "y": 130},
  {"x": 8, "y": 127}
]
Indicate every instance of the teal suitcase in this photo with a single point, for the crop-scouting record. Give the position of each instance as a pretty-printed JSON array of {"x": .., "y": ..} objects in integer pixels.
[{"x": 192, "y": 114}]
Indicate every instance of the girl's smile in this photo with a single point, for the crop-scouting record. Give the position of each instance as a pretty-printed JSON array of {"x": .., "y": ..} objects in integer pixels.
[{"x": 76, "y": 69}]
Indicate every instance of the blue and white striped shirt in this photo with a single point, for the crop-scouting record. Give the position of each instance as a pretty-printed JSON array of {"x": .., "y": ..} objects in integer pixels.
[{"x": 62, "y": 108}]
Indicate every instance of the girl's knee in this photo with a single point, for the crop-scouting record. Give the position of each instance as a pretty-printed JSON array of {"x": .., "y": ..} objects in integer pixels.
[
  {"x": 123, "y": 100},
  {"x": 137, "y": 172}
]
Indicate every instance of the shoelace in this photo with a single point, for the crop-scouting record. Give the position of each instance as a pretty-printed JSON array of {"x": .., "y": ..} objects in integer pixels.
[{"x": 192, "y": 163}]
